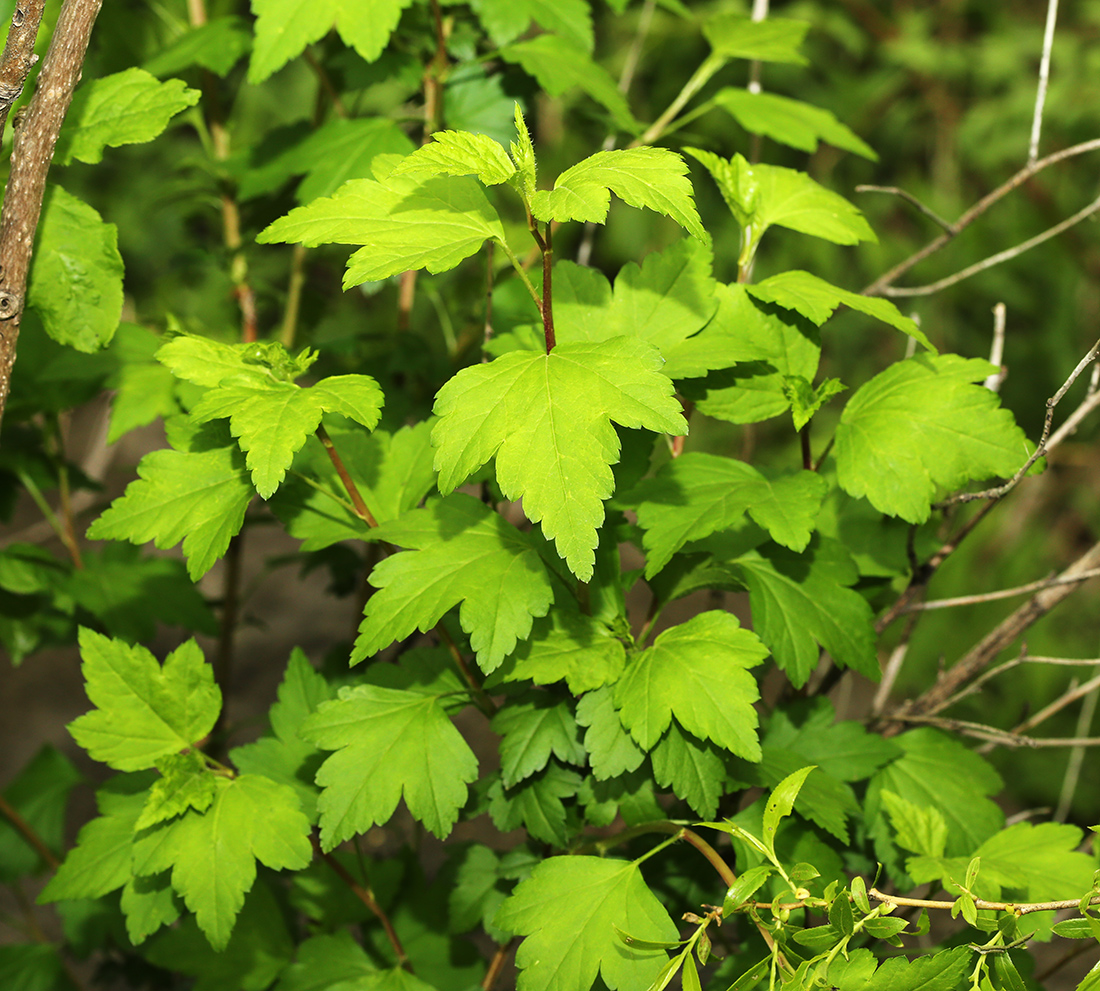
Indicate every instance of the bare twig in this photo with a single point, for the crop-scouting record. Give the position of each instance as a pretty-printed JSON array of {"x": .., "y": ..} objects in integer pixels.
[
  {"x": 496, "y": 965},
  {"x": 1066, "y": 698},
  {"x": 995, "y": 737},
  {"x": 1001, "y": 256},
  {"x": 887, "y": 279},
  {"x": 24, "y": 828},
  {"x": 1017, "y": 908},
  {"x": 893, "y": 668},
  {"x": 35, "y": 139},
  {"x": 1044, "y": 78},
  {"x": 1076, "y": 757},
  {"x": 911, "y": 199},
  {"x": 1004, "y": 593},
  {"x": 997, "y": 351},
  {"x": 348, "y": 482}
]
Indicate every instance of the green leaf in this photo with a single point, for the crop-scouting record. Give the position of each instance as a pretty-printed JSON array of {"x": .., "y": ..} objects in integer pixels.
[
  {"x": 198, "y": 495},
  {"x": 216, "y": 45},
  {"x": 389, "y": 745},
  {"x": 547, "y": 420},
  {"x": 185, "y": 784},
  {"x": 936, "y": 771},
  {"x": 566, "y": 910},
  {"x": 652, "y": 178},
  {"x": 126, "y": 108},
  {"x": 33, "y": 967},
  {"x": 506, "y": 20},
  {"x": 100, "y": 861},
  {"x": 922, "y": 830},
  {"x": 781, "y": 802},
  {"x": 284, "y": 28},
  {"x": 822, "y": 799},
  {"x": 697, "y": 494},
  {"x": 764, "y": 195},
  {"x": 76, "y": 276},
  {"x": 776, "y": 39},
  {"x": 149, "y": 904},
  {"x": 572, "y": 647},
  {"x": 693, "y": 769},
  {"x": 144, "y": 388},
  {"x": 531, "y": 731},
  {"x": 899, "y": 440},
  {"x": 39, "y": 794},
  {"x": 403, "y": 223},
  {"x": 817, "y": 300},
  {"x": 333, "y": 961},
  {"x": 801, "y": 600},
  {"x": 464, "y": 553},
  {"x": 558, "y": 66},
  {"x": 790, "y": 122},
  {"x": 143, "y": 711},
  {"x": 272, "y": 421},
  {"x": 536, "y": 804},
  {"x": 611, "y": 751},
  {"x": 213, "y": 855},
  {"x": 393, "y": 473},
  {"x": 459, "y": 153},
  {"x": 697, "y": 672},
  {"x": 946, "y": 969},
  {"x": 477, "y": 892},
  {"x": 805, "y": 400}
]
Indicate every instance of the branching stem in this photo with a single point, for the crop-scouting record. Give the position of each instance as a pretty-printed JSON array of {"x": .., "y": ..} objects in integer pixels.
[{"x": 348, "y": 482}]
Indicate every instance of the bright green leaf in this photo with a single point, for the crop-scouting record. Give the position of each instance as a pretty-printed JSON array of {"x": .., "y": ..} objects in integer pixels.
[
  {"x": 572, "y": 647},
  {"x": 566, "y": 910},
  {"x": 536, "y": 804},
  {"x": 186, "y": 783},
  {"x": 946, "y": 969},
  {"x": 459, "y": 153},
  {"x": 692, "y": 768},
  {"x": 611, "y": 751},
  {"x": 921, "y": 830},
  {"x": 533, "y": 730},
  {"x": 776, "y": 39},
  {"x": 547, "y": 420},
  {"x": 389, "y": 745},
  {"x": 923, "y": 425},
  {"x": 462, "y": 552},
  {"x": 143, "y": 711}
]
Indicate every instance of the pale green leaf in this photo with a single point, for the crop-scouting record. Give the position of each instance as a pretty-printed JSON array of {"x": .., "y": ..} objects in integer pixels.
[
  {"x": 389, "y": 745},
  {"x": 692, "y": 768},
  {"x": 816, "y": 300},
  {"x": 213, "y": 855},
  {"x": 285, "y": 27},
  {"x": 143, "y": 388},
  {"x": 572, "y": 647},
  {"x": 558, "y": 66},
  {"x": 805, "y": 400},
  {"x": 143, "y": 711},
  {"x": 697, "y": 672},
  {"x": 566, "y": 910},
  {"x": 523, "y": 154},
  {"x": 403, "y": 223},
  {"x": 647, "y": 178},
  {"x": 611, "y": 751},
  {"x": 547, "y": 420},
  {"x": 198, "y": 496},
  {"x": 776, "y": 39},
  {"x": 461, "y": 552},
  {"x": 919, "y": 829},
  {"x": 126, "y": 108},
  {"x": 924, "y": 425},
  {"x": 185, "y": 783},
  {"x": 790, "y": 122},
  {"x": 208, "y": 363},
  {"x": 799, "y": 601},
  {"x": 459, "y": 153},
  {"x": 696, "y": 495},
  {"x": 530, "y": 732},
  {"x": 76, "y": 274}
]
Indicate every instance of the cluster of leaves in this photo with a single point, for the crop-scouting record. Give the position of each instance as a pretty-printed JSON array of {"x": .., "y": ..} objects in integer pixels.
[{"x": 501, "y": 529}]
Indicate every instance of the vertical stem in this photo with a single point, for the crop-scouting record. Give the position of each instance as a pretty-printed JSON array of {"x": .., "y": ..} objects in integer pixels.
[
  {"x": 293, "y": 296},
  {"x": 64, "y": 496},
  {"x": 346, "y": 480},
  {"x": 547, "y": 289},
  {"x": 30, "y": 162},
  {"x": 807, "y": 456},
  {"x": 18, "y": 54},
  {"x": 1044, "y": 78},
  {"x": 488, "y": 333}
]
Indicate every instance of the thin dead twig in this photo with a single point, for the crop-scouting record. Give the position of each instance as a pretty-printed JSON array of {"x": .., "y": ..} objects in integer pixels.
[{"x": 1004, "y": 593}]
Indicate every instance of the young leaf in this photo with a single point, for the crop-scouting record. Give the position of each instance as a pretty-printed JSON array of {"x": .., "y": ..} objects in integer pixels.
[
  {"x": 817, "y": 300},
  {"x": 389, "y": 745},
  {"x": 143, "y": 711},
  {"x": 559, "y": 65},
  {"x": 611, "y": 751},
  {"x": 126, "y": 108},
  {"x": 76, "y": 279},
  {"x": 285, "y": 27},
  {"x": 822, "y": 799},
  {"x": 198, "y": 495},
  {"x": 699, "y": 494},
  {"x": 790, "y": 122},
  {"x": 697, "y": 671},
  {"x": 776, "y": 39},
  {"x": 805, "y": 400},
  {"x": 547, "y": 420},
  {"x": 781, "y": 802},
  {"x": 566, "y": 909},
  {"x": 536, "y": 804},
  {"x": 273, "y": 420},
  {"x": 531, "y": 732},
  {"x": 403, "y": 223},
  {"x": 899, "y": 439},
  {"x": 523, "y": 154},
  {"x": 464, "y": 553},
  {"x": 801, "y": 600},
  {"x": 459, "y": 153},
  {"x": 693, "y": 769},
  {"x": 186, "y": 783},
  {"x": 653, "y": 178},
  {"x": 746, "y": 885},
  {"x": 213, "y": 855}
]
